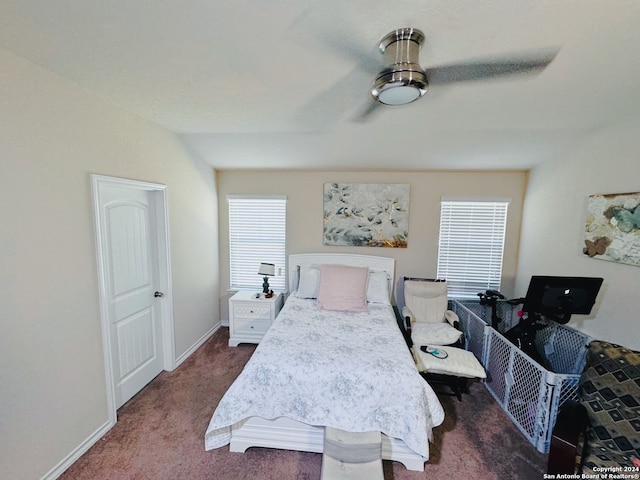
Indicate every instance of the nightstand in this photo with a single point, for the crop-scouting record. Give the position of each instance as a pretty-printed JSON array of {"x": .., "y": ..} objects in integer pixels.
[{"x": 251, "y": 317}]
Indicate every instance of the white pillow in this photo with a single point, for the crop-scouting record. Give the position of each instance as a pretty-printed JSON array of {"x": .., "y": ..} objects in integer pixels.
[
  {"x": 309, "y": 282},
  {"x": 378, "y": 288},
  {"x": 434, "y": 333},
  {"x": 343, "y": 288}
]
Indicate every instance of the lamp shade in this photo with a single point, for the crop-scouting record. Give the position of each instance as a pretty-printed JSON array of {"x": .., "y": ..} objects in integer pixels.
[{"x": 268, "y": 269}]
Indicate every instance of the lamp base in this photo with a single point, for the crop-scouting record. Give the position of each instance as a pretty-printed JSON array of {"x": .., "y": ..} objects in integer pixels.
[{"x": 265, "y": 285}]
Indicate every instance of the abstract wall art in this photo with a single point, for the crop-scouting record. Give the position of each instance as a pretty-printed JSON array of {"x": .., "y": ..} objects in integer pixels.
[
  {"x": 366, "y": 214},
  {"x": 612, "y": 228}
]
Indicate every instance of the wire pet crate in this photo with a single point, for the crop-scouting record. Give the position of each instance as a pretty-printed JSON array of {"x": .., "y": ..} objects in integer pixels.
[{"x": 529, "y": 393}]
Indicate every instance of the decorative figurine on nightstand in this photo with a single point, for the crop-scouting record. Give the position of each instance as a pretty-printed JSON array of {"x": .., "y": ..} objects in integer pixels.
[{"x": 267, "y": 270}]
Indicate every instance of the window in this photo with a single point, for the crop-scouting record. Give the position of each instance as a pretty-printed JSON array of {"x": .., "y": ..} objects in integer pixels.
[
  {"x": 471, "y": 244},
  {"x": 257, "y": 233}
]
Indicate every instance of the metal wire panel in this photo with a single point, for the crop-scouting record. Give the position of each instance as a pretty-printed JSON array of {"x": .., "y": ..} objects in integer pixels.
[
  {"x": 529, "y": 393},
  {"x": 473, "y": 328}
]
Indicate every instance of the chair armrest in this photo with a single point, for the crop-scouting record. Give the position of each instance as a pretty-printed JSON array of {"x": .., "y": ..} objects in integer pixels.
[
  {"x": 405, "y": 325},
  {"x": 452, "y": 318},
  {"x": 408, "y": 316},
  {"x": 409, "y": 320},
  {"x": 571, "y": 423}
]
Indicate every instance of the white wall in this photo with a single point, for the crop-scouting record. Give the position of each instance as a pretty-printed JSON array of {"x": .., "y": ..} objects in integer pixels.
[
  {"x": 553, "y": 225},
  {"x": 304, "y": 190},
  {"x": 53, "y": 135}
]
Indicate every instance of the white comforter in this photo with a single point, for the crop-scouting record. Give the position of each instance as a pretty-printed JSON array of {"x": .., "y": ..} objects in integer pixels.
[{"x": 350, "y": 371}]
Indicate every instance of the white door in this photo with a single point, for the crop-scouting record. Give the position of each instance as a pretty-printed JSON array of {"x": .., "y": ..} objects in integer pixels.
[{"x": 129, "y": 245}]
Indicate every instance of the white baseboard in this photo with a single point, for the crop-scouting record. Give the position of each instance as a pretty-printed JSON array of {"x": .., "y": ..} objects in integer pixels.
[
  {"x": 80, "y": 450},
  {"x": 197, "y": 345}
]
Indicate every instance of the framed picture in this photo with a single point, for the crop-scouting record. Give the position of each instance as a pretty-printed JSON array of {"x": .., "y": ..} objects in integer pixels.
[
  {"x": 612, "y": 228},
  {"x": 366, "y": 214}
]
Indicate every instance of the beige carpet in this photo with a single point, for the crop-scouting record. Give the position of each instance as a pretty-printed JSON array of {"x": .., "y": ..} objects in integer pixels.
[{"x": 160, "y": 434}]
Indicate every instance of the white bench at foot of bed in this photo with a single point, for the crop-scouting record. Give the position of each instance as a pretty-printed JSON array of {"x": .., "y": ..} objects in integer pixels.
[{"x": 287, "y": 434}]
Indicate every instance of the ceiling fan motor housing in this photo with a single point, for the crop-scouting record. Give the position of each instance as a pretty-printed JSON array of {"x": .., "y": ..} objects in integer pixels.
[{"x": 403, "y": 80}]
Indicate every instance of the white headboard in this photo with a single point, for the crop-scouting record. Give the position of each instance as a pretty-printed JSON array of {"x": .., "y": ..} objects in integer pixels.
[{"x": 379, "y": 264}]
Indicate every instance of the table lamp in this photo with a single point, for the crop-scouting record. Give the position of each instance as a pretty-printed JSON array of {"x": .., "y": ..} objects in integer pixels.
[{"x": 266, "y": 270}]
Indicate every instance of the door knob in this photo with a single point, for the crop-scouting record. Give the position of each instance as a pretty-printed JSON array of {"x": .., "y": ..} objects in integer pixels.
[{"x": 158, "y": 294}]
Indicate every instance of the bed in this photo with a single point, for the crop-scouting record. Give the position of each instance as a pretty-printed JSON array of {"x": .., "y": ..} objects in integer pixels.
[{"x": 321, "y": 367}]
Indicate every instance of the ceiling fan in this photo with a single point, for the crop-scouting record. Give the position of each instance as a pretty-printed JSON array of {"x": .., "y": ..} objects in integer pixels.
[{"x": 403, "y": 80}]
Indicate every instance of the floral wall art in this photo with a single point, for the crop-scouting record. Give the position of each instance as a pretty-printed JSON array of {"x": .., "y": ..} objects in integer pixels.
[
  {"x": 612, "y": 228},
  {"x": 366, "y": 214}
]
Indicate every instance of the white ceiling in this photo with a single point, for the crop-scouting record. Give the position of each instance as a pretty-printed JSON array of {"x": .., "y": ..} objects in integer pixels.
[{"x": 278, "y": 84}]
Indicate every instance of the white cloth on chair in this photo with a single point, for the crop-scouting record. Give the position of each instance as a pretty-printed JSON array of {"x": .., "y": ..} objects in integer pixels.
[
  {"x": 426, "y": 305},
  {"x": 426, "y": 299},
  {"x": 434, "y": 334},
  {"x": 459, "y": 363}
]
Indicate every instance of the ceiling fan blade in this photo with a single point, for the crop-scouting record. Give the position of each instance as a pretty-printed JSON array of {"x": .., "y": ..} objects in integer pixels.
[
  {"x": 340, "y": 39},
  {"x": 329, "y": 105},
  {"x": 371, "y": 108},
  {"x": 528, "y": 64}
]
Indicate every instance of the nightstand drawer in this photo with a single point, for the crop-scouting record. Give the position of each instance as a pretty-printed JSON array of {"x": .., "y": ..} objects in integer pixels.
[
  {"x": 251, "y": 311},
  {"x": 251, "y": 326}
]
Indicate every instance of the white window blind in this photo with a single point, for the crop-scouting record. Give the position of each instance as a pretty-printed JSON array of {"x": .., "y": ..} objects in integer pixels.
[
  {"x": 257, "y": 233},
  {"x": 471, "y": 245}
]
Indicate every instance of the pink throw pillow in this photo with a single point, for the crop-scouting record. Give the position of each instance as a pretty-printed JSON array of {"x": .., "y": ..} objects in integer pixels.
[{"x": 343, "y": 288}]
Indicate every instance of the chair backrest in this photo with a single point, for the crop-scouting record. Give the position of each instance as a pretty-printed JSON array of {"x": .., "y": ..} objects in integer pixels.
[{"x": 426, "y": 299}]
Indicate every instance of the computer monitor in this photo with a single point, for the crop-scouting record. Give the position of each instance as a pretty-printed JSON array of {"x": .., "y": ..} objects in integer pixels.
[{"x": 557, "y": 298}]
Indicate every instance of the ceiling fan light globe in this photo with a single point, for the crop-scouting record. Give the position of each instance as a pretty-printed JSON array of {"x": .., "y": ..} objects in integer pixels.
[
  {"x": 399, "y": 95},
  {"x": 399, "y": 87}
]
